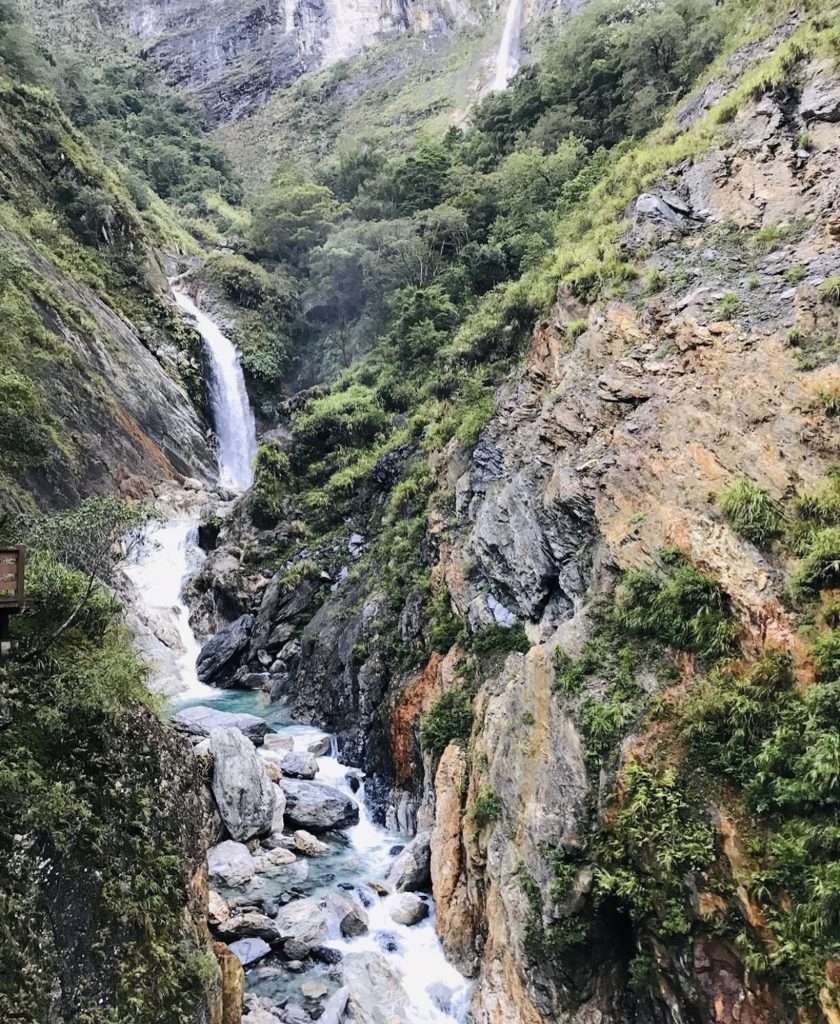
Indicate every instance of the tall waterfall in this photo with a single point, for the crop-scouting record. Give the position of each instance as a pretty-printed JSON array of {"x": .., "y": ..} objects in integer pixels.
[
  {"x": 507, "y": 59},
  {"x": 232, "y": 416}
]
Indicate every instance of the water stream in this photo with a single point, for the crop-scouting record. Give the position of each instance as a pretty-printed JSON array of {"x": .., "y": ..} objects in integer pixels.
[
  {"x": 508, "y": 57},
  {"x": 429, "y": 989}
]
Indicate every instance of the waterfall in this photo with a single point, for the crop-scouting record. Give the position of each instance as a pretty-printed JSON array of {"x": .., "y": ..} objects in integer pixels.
[
  {"x": 233, "y": 419},
  {"x": 507, "y": 59}
]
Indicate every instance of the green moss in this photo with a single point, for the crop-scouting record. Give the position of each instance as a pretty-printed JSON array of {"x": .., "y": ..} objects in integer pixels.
[{"x": 485, "y": 809}]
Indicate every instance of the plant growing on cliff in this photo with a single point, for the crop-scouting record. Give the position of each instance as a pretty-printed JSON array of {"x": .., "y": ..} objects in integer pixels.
[
  {"x": 500, "y": 640},
  {"x": 448, "y": 720},
  {"x": 830, "y": 290},
  {"x": 272, "y": 478},
  {"x": 751, "y": 511},
  {"x": 486, "y": 808}
]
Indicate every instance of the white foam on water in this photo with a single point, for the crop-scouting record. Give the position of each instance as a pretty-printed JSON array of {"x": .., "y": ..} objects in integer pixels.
[{"x": 168, "y": 555}]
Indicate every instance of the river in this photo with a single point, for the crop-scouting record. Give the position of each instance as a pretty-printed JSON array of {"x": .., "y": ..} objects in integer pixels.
[{"x": 424, "y": 988}]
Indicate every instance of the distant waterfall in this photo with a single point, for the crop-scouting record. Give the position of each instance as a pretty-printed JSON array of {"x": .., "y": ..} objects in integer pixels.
[
  {"x": 507, "y": 59},
  {"x": 233, "y": 419}
]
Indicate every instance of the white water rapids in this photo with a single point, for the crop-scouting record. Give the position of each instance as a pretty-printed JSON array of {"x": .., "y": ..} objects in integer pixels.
[
  {"x": 507, "y": 59},
  {"x": 431, "y": 991}
]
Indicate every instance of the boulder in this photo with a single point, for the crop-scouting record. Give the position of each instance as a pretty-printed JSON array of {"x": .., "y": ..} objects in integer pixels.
[
  {"x": 411, "y": 870},
  {"x": 309, "y": 845},
  {"x": 320, "y": 747},
  {"x": 303, "y": 922},
  {"x": 277, "y": 821},
  {"x": 248, "y": 925},
  {"x": 353, "y": 924},
  {"x": 316, "y": 807},
  {"x": 248, "y": 951},
  {"x": 268, "y": 862},
  {"x": 375, "y": 994},
  {"x": 230, "y": 863},
  {"x": 299, "y": 765},
  {"x": 243, "y": 791},
  {"x": 220, "y": 655},
  {"x": 334, "y": 1007},
  {"x": 201, "y": 721},
  {"x": 408, "y": 908}
]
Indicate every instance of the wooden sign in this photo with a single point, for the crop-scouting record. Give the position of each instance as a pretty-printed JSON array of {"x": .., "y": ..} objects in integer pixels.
[{"x": 11, "y": 577}]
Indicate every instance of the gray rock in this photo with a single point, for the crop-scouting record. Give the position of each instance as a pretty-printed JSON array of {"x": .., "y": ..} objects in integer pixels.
[
  {"x": 334, "y": 1007},
  {"x": 220, "y": 655},
  {"x": 280, "y": 608},
  {"x": 411, "y": 871},
  {"x": 230, "y": 863},
  {"x": 249, "y": 925},
  {"x": 303, "y": 922},
  {"x": 248, "y": 951},
  {"x": 201, "y": 720},
  {"x": 375, "y": 994},
  {"x": 316, "y": 807},
  {"x": 820, "y": 100},
  {"x": 274, "y": 741},
  {"x": 353, "y": 924},
  {"x": 299, "y": 765},
  {"x": 408, "y": 908},
  {"x": 243, "y": 791},
  {"x": 320, "y": 747},
  {"x": 309, "y": 845}
]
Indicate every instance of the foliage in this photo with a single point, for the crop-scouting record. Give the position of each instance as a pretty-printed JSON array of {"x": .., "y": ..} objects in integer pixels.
[
  {"x": 500, "y": 639},
  {"x": 292, "y": 217},
  {"x": 751, "y": 511},
  {"x": 676, "y": 606},
  {"x": 830, "y": 290},
  {"x": 448, "y": 720},
  {"x": 485, "y": 809},
  {"x": 272, "y": 476}
]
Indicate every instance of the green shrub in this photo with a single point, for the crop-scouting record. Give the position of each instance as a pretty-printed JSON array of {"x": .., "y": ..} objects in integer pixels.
[
  {"x": 678, "y": 607},
  {"x": 272, "y": 479},
  {"x": 448, "y": 720},
  {"x": 443, "y": 626},
  {"x": 247, "y": 283},
  {"x": 728, "y": 306},
  {"x": 486, "y": 808},
  {"x": 751, "y": 511},
  {"x": 830, "y": 290},
  {"x": 500, "y": 639},
  {"x": 830, "y": 398},
  {"x": 796, "y": 274},
  {"x": 820, "y": 567}
]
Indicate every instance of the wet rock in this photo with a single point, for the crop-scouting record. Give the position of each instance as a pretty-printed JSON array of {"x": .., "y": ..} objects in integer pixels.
[
  {"x": 248, "y": 926},
  {"x": 220, "y": 655},
  {"x": 334, "y": 1007},
  {"x": 278, "y": 820},
  {"x": 375, "y": 994},
  {"x": 278, "y": 858},
  {"x": 243, "y": 791},
  {"x": 309, "y": 844},
  {"x": 354, "y": 779},
  {"x": 245, "y": 680},
  {"x": 249, "y": 951},
  {"x": 230, "y": 863},
  {"x": 326, "y": 955},
  {"x": 410, "y": 871},
  {"x": 314, "y": 989},
  {"x": 217, "y": 909},
  {"x": 280, "y": 608},
  {"x": 353, "y": 924},
  {"x": 299, "y": 765},
  {"x": 408, "y": 908},
  {"x": 201, "y": 720},
  {"x": 820, "y": 100},
  {"x": 303, "y": 922},
  {"x": 316, "y": 807},
  {"x": 320, "y": 747}
]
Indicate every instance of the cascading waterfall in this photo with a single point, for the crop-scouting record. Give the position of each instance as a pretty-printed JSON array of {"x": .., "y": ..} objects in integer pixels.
[
  {"x": 507, "y": 59},
  {"x": 232, "y": 416},
  {"x": 433, "y": 992}
]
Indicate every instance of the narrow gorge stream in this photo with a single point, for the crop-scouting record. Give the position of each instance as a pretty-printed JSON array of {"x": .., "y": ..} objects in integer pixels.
[{"x": 398, "y": 972}]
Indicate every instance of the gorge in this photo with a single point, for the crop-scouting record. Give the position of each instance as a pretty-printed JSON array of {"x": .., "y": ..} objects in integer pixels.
[{"x": 421, "y": 423}]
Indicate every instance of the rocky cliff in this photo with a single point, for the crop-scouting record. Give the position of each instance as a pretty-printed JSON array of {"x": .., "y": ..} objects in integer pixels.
[{"x": 602, "y": 849}]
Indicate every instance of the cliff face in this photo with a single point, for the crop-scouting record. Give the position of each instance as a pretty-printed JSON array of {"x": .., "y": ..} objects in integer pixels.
[{"x": 607, "y": 452}]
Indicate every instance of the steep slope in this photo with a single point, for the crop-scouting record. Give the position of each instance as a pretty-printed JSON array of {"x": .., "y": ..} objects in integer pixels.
[
  {"x": 585, "y": 636},
  {"x": 87, "y": 317}
]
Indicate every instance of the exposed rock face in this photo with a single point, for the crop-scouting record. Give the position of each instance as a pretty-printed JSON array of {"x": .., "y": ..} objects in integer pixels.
[
  {"x": 316, "y": 807},
  {"x": 233, "y": 984},
  {"x": 376, "y": 996},
  {"x": 220, "y": 654},
  {"x": 244, "y": 793}
]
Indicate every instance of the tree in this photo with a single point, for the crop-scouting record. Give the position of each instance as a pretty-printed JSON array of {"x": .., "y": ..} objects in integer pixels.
[{"x": 292, "y": 218}]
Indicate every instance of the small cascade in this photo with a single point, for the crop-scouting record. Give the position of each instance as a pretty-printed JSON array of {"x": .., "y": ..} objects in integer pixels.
[
  {"x": 508, "y": 57},
  {"x": 232, "y": 416}
]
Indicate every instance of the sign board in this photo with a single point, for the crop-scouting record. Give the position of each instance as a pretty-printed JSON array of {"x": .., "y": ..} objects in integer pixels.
[{"x": 11, "y": 577}]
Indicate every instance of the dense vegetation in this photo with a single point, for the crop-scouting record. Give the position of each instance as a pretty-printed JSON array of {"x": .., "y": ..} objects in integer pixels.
[{"x": 102, "y": 819}]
